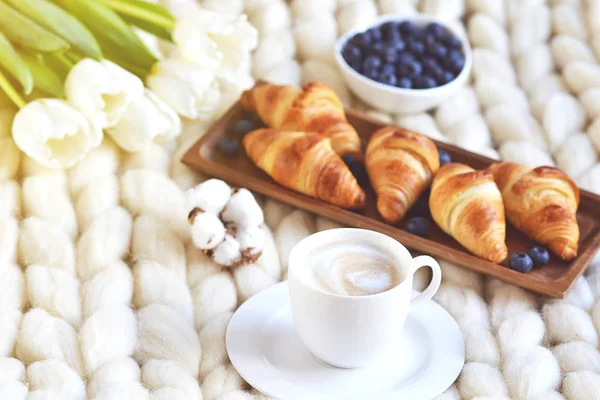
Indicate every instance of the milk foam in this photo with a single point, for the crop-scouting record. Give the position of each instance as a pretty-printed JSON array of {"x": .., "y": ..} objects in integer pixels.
[{"x": 352, "y": 269}]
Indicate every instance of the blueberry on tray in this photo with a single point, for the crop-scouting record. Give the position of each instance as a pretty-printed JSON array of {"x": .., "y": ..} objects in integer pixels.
[
  {"x": 521, "y": 262},
  {"x": 422, "y": 56},
  {"x": 418, "y": 226},
  {"x": 539, "y": 255}
]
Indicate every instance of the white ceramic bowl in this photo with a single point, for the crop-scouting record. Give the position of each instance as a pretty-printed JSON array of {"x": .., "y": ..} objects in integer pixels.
[{"x": 399, "y": 100}]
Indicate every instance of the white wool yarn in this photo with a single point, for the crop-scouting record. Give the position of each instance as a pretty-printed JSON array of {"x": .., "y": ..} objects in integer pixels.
[
  {"x": 292, "y": 229},
  {"x": 531, "y": 27},
  {"x": 158, "y": 374},
  {"x": 471, "y": 133},
  {"x": 485, "y": 32},
  {"x": 316, "y": 37},
  {"x": 152, "y": 242},
  {"x": 490, "y": 64},
  {"x": 545, "y": 372},
  {"x": 534, "y": 64},
  {"x": 421, "y": 122},
  {"x": 221, "y": 380},
  {"x": 566, "y": 49},
  {"x": 355, "y": 14},
  {"x": 271, "y": 18},
  {"x": 156, "y": 158},
  {"x": 41, "y": 242},
  {"x": 8, "y": 239},
  {"x": 581, "y": 76},
  {"x": 212, "y": 339},
  {"x": 525, "y": 153},
  {"x": 510, "y": 123},
  {"x": 492, "y": 92},
  {"x": 568, "y": 19},
  {"x": 563, "y": 116},
  {"x": 10, "y": 199},
  {"x": 315, "y": 70},
  {"x": 462, "y": 104},
  {"x": 96, "y": 199},
  {"x": 10, "y": 158},
  {"x": 545, "y": 87},
  {"x": 447, "y": 9}
]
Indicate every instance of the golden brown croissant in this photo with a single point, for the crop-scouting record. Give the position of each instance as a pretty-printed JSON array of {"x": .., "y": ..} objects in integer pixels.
[
  {"x": 314, "y": 108},
  {"x": 467, "y": 205},
  {"x": 400, "y": 164},
  {"x": 541, "y": 202},
  {"x": 305, "y": 161}
]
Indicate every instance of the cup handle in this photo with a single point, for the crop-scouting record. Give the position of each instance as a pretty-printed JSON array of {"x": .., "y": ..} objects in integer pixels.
[{"x": 436, "y": 278}]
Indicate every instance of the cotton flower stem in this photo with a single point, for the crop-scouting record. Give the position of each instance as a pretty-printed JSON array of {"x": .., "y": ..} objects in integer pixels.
[
  {"x": 10, "y": 91},
  {"x": 133, "y": 10}
]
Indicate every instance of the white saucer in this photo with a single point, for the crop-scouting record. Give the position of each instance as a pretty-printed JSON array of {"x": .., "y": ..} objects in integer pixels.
[{"x": 265, "y": 349}]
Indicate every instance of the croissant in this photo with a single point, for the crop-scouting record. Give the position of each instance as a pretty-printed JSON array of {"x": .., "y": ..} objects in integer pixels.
[
  {"x": 314, "y": 108},
  {"x": 467, "y": 205},
  {"x": 541, "y": 202},
  {"x": 400, "y": 164},
  {"x": 305, "y": 162}
]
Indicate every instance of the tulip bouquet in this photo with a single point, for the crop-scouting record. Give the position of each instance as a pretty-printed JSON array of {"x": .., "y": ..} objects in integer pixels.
[{"x": 76, "y": 71}]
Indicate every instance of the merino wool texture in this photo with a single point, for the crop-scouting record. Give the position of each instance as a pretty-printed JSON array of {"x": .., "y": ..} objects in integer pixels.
[{"x": 104, "y": 296}]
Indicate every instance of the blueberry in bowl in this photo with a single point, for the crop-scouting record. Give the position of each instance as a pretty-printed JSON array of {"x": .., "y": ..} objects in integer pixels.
[{"x": 405, "y": 64}]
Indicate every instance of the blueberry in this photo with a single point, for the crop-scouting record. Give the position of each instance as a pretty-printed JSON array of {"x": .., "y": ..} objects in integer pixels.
[
  {"x": 451, "y": 41},
  {"x": 388, "y": 78},
  {"x": 356, "y": 65},
  {"x": 228, "y": 147},
  {"x": 415, "y": 47},
  {"x": 418, "y": 226},
  {"x": 411, "y": 70},
  {"x": 390, "y": 55},
  {"x": 398, "y": 45},
  {"x": 409, "y": 28},
  {"x": 361, "y": 39},
  {"x": 390, "y": 31},
  {"x": 404, "y": 83},
  {"x": 444, "y": 157},
  {"x": 424, "y": 82},
  {"x": 351, "y": 53},
  {"x": 372, "y": 63},
  {"x": 405, "y": 58},
  {"x": 436, "y": 30},
  {"x": 521, "y": 262},
  {"x": 446, "y": 77},
  {"x": 371, "y": 74},
  {"x": 378, "y": 49},
  {"x": 455, "y": 61},
  {"x": 432, "y": 68},
  {"x": 357, "y": 169},
  {"x": 375, "y": 34},
  {"x": 437, "y": 50},
  {"x": 539, "y": 255},
  {"x": 429, "y": 39},
  {"x": 243, "y": 126},
  {"x": 388, "y": 69}
]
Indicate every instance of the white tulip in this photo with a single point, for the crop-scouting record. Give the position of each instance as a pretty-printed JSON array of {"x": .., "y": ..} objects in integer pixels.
[
  {"x": 102, "y": 90},
  {"x": 191, "y": 91},
  {"x": 53, "y": 133},
  {"x": 217, "y": 41},
  {"x": 145, "y": 121}
]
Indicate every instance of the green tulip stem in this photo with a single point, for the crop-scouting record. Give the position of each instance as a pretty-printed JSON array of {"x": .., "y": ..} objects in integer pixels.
[
  {"x": 10, "y": 91},
  {"x": 133, "y": 11}
]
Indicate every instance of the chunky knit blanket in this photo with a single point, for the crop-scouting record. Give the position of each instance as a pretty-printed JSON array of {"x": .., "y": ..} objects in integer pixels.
[{"x": 102, "y": 296}]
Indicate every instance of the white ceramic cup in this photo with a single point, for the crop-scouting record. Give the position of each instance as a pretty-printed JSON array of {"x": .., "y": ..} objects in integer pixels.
[{"x": 348, "y": 331}]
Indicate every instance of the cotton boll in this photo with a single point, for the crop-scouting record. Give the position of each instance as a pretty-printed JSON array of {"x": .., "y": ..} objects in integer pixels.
[
  {"x": 478, "y": 379},
  {"x": 243, "y": 210},
  {"x": 590, "y": 180},
  {"x": 46, "y": 197},
  {"x": 41, "y": 242},
  {"x": 207, "y": 231},
  {"x": 107, "y": 334},
  {"x": 422, "y": 123},
  {"x": 480, "y": 345},
  {"x": 509, "y": 123},
  {"x": 13, "y": 390},
  {"x": 154, "y": 158},
  {"x": 55, "y": 375},
  {"x": 582, "y": 385},
  {"x": 446, "y": 9},
  {"x": 356, "y": 15},
  {"x": 577, "y": 356},
  {"x": 275, "y": 211},
  {"x": 212, "y": 339},
  {"x": 520, "y": 331},
  {"x": 494, "y": 9},
  {"x": 251, "y": 240},
  {"x": 11, "y": 369},
  {"x": 288, "y": 72},
  {"x": 531, "y": 27},
  {"x": 157, "y": 374},
  {"x": 109, "y": 288},
  {"x": 227, "y": 253},
  {"x": 95, "y": 199},
  {"x": 10, "y": 199},
  {"x": 156, "y": 284},
  {"x": 106, "y": 240},
  {"x": 210, "y": 196},
  {"x": 581, "y": 145},
  {"x": 315, "y": 37},
  {"x": 492, "y": 92},
  {"x": 165, "y": 334},
  {"x": 566, "y": 49},
  {"x": 294, "y": 227},
  {"x": 471, "y": 133},
  {"x": 221, "y": 380},
  {"x": 484, "y": 32},
  {"x": 44, "y": 337},
  {"x": 9, "y": 234},
  {"x": 313, "y": 70},
  {"x": 508, "y": 301},
  {"x": 464, "y": 305},
  {"x": 10, "y": 158},
  {"x": 462, "y": 104},
  {"x": 562, "y": 116},
  {"x": 148, "y": 192},
  {"x": 117, "y": 371},
  {"x": 568, "y": 20},
  {"x": 213, "y": 296},
  {"x": 461, "y": 276},
  {"x": 534, "y": 64},
  {"x": 544, "y": 373},
  {"x": 271, "y": 19},
  {"x": 153, "y": 242},
  {"x": 581, "y": 76},
  {"x": 567, "y": 323},
  {"x": 10, "y": 323},
  {"x": 56, "y": 291},
  {"x": 273, "y": 50}
]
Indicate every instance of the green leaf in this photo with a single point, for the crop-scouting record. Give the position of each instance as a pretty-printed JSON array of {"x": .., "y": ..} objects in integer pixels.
[
  {"x": 10, "y": 91},
  {"x": 44, "y": 78},
  {"x": 149, "y": 17},
  {"x": 10, "y": 60},
  {"x": 114, "y": 35},
  {"x": 59, "y": 63},
  {"x": 55, "y": 19},
  {"x": 24, "y": 32}
]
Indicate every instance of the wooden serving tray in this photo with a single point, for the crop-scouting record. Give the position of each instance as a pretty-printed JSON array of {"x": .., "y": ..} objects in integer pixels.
[{"x": 554, "y": 279}]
